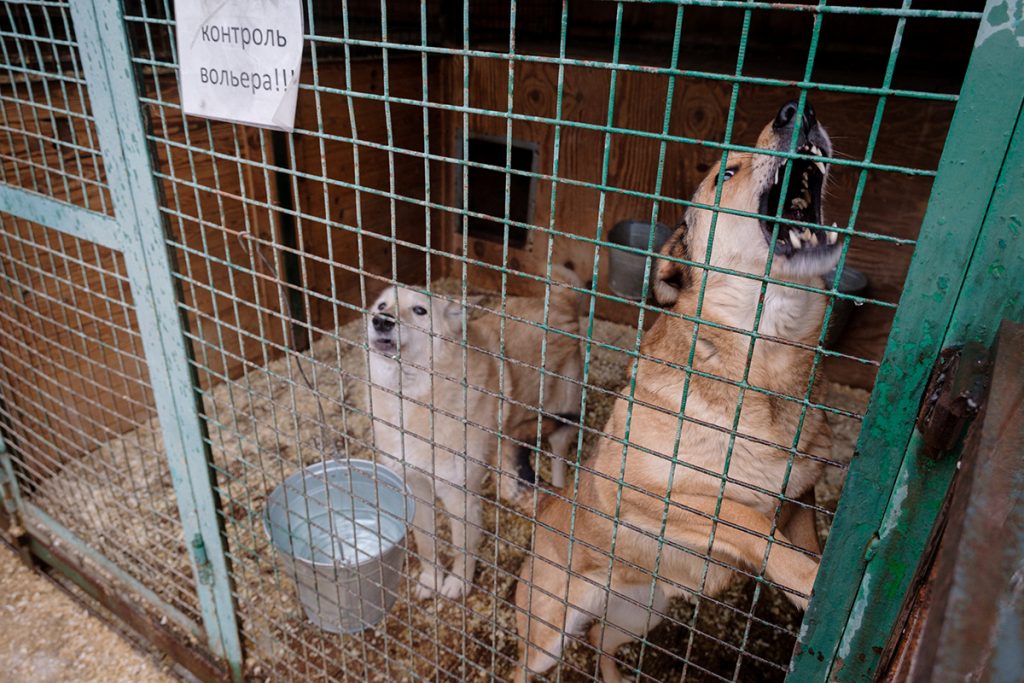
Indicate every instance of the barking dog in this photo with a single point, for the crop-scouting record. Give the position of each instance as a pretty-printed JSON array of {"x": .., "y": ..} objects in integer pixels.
[
  {"x": 440, "y": 435},
  {"x": 674, "y": 492}
]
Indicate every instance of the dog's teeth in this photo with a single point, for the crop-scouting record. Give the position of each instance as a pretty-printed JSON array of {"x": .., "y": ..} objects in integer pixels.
[
  {"x": 794, "y": 240},
  {"x": 807, "y": 234},
  {"x": 821, "y": 167},
  {"x": 833, "y": 237},
  {"x": 814, "y": 239},
  {"x": 798, "y": 203},
  {"x": 814, "y": 148}
]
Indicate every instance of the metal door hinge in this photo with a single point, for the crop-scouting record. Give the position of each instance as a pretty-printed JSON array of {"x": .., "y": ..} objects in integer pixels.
[{"x": 955, "y": 393}]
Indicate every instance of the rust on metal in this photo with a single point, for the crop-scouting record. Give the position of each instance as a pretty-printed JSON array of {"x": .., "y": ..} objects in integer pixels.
[{"x": 953, "y": 398}]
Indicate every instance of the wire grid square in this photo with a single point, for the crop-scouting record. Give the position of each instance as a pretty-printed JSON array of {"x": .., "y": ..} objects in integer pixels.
[
  {"x": 78, "y": 407},
  {"x": 283, "y": 243},
  {"x": 48, "y": 133}
]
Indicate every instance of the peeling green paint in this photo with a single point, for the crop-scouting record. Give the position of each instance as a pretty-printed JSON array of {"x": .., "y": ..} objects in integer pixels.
[{"x": 1007, "y": 15}]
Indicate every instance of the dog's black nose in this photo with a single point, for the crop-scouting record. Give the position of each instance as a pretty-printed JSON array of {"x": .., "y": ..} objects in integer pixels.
[
  {"x": 784, "y": 119},
  {"x": 383, "y": 323}
]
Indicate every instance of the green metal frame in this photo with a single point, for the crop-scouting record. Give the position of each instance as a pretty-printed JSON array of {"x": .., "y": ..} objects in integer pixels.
[{"x": 970, "y": 248}]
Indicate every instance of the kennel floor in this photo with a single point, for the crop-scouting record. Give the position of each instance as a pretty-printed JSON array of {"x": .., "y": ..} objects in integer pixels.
[{"x": 265, "y": 425}]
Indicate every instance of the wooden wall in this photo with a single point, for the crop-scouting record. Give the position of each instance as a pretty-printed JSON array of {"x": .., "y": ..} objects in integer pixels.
[
  {"x": 222, "y": 200},
  {"x": 218, "y": 210},
  {"x": 343, "y": 232},
  {"x": 72, "y": 359},
  {"x": 72, "y": 374},
  {"x": 912, "y": 134}
]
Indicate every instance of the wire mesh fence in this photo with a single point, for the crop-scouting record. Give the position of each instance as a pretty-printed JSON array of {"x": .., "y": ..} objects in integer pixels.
[
  {"x": 421, "y": 275},
  {"x": 78, "y": 410},
  {"x": 49, "y": 134}
]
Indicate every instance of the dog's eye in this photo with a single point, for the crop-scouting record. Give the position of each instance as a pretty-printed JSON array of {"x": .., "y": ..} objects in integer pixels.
[
  {"x": 730, "y": 172},
  {"x": 381, "y": 306},
  {"x": 419, "y": 310}
]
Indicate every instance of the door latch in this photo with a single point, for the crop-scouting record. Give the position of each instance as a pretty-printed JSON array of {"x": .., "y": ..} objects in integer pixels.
[{"x": 955, "y": 393}]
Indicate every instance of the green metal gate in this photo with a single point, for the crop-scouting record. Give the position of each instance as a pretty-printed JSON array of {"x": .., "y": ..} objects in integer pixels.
[{"x": 110, "y": 265}]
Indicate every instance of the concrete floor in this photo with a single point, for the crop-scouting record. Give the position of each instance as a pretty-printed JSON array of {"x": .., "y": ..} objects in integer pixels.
[{"x": 48, "y": 637}]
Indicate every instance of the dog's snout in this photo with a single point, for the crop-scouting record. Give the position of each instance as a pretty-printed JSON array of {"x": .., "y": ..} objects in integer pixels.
[
  {"x": 784, "y": 119},
  {"x": 383, "y": 323}
]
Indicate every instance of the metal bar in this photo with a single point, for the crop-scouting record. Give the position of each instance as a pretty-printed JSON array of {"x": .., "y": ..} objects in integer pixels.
[
  {"x": 502, "y": 169},
  {"x": 809, "y": 85},
  {"x": 816, "y": 9},
  {"x": 881, "y": 478},
  {"x": 10, "y": 496},
  {"x": 128, "y": 613},
  {"x": 53, "y": 213},
  {"x": 606, "y": 128},
  {"x": 122, "y": 134},
  {"x": 36, "y": 516}
]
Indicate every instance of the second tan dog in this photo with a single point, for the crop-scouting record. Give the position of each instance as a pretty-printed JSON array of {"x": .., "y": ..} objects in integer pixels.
[{"x": 695, "y": 491}]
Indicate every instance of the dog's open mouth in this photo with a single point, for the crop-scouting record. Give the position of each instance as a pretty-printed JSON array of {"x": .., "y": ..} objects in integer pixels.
[
  {"x": 384, "y": 345},
  {"x": 802, "y": 203}
]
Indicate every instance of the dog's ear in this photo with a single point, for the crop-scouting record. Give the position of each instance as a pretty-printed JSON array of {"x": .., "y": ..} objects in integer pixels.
[
  {"x": 454, "y": 309},
  {"x": 669, "y": 277}
]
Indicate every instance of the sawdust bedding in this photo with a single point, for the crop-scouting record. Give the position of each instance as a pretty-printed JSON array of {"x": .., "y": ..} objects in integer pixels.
[{"x": 266, "y": 424}]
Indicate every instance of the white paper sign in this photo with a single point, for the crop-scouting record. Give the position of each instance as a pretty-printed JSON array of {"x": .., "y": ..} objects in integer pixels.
[{"x": 240, "y": 59}]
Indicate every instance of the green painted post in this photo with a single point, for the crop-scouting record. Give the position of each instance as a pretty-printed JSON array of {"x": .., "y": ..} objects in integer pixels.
[
  {"x": 996, "y": 277},
  {"x": 106, "y": 58},
  {"x": 10, "y": 500},
  {"x": 893, "y": 493},
  {"x": 67, "y": 218}
]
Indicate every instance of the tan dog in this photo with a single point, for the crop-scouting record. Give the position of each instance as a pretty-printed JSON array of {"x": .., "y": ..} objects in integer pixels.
[
  {"x": 525, "y": 344},
  {"x": 722, "y": 470},
  {"x": 442, "y": 437}
]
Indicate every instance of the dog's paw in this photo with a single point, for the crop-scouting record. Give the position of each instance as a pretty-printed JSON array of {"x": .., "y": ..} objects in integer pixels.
[
  {"x": 453, "y": 587},
  {"x": 427, "y": 585}
]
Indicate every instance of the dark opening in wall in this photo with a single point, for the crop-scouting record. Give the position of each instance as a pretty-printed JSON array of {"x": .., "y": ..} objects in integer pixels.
[{"x": 486, "y": 192}]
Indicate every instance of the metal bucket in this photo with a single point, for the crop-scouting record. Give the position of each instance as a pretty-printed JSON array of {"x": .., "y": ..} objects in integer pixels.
[
  {"x": 339, "y": 529},
  {"x": 626, "y": 268}
]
